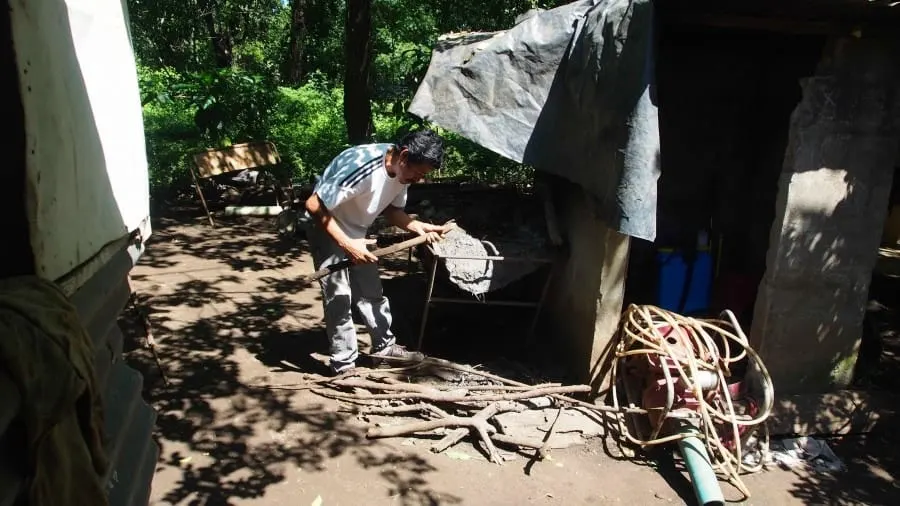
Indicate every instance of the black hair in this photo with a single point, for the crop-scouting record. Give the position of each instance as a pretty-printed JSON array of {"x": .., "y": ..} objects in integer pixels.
[{"x": 424, "y": 146}]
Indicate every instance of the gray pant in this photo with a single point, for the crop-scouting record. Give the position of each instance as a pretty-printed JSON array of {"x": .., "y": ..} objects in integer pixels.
[{"x": 359, "y": 287}]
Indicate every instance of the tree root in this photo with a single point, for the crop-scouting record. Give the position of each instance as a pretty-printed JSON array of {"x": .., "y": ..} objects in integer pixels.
[
  {"x": 516, "y": 441},
  {"x": 449, "y": 440},
  {"x": 476, "y": 425}
]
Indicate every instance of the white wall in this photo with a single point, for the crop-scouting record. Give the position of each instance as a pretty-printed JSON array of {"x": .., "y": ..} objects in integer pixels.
[{"x": 87, "y": 183}]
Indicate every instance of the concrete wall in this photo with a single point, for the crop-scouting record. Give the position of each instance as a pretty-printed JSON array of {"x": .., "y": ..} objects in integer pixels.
[
  {"x": 832, "y": 202},
  {"x": 582, "y": 312}
]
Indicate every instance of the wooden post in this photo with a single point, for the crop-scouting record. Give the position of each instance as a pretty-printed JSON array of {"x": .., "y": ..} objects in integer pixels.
[{"x": 202, "y": 198}]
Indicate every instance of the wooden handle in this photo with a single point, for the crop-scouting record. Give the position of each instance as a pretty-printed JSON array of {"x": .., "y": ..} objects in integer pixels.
[{"x": 345, "y": 264}]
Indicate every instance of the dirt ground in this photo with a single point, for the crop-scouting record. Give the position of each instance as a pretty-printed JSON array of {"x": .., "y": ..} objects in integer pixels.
[{"x": 235, "y": 330}]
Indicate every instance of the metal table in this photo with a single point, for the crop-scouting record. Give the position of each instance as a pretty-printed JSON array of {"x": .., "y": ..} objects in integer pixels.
[{"x": 430, "y": 298}]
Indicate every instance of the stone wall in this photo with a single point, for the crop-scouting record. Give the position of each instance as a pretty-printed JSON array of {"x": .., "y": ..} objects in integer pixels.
[{"x": 832, "y": 201}]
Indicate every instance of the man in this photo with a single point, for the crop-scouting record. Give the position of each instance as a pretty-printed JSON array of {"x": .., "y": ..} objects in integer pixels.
[{"x": 360, "y": 184}]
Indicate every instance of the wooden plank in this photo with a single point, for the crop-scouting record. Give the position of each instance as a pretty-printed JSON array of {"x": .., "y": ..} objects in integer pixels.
[{"x": 238, "y": 157}]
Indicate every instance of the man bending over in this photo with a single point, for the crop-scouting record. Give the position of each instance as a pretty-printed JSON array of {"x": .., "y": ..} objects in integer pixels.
[{"x": 360, "y": 184}]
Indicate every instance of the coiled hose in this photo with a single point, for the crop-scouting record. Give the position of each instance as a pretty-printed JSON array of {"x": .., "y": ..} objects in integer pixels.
[{"x": 691, "y": 347}]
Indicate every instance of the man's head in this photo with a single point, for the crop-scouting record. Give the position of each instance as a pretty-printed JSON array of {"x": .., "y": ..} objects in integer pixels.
[{"x": 420, "y": 152}]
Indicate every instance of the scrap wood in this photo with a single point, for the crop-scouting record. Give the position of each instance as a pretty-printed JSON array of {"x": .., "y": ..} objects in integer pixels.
[
  {"x": 542, "y": 452},
  {"x": 426, "y": 408},
  {"x": 509, "y": 388},
  {"x": 572, "y": 421},
  {"x": 337, "y": 396},
  {"x": 453, "y": 366},
  {"x": 457, "y": 435},
  {"x": 421, "y": 407},
  {"x": 516, "y": 441},
  {"x": 477, "y": 424},
  {"x": 450, "y": 396},
  {"x": 446, "y": 364},
  {"x": 449, "y": 440},
  {"x": 472, "y": 388},
  {"x": 457, "y": 409},
  {"x": 314, "y": 380},
  {"x": 545, "y": 447},
  {"x": 144, "y": 314},
  {"x": 429, "y": 392}
]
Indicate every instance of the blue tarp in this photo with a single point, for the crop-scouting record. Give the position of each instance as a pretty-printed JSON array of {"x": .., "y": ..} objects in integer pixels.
[{"x": 569, "y": 91}]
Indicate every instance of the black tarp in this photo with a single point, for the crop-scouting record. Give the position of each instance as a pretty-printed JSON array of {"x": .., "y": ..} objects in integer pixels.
[{"x": 568, "y": 91}]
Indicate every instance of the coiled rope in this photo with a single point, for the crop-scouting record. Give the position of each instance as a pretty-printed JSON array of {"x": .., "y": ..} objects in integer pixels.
[{"x": 690, "y": 345}]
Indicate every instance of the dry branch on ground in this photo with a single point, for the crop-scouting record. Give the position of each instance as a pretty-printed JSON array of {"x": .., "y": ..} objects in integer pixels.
[{"x": 456, "y": 410}]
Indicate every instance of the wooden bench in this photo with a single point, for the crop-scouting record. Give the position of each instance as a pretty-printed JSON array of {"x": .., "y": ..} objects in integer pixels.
[{"x": 259, "y": 156}]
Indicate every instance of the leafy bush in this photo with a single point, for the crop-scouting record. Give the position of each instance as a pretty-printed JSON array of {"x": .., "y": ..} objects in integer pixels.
[
  {"x": 186, "y": 113},
  {"x": 190, "y": 105},
  {"x": 308, "y": 126}
]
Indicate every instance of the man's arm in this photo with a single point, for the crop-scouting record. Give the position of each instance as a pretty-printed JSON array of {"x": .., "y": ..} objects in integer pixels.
[
  {"x": 355, "y": 248},
  {"x": 398, "y": 218}
]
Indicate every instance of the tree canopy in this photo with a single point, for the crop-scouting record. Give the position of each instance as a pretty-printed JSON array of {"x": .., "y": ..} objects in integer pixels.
[{"x": 313, "y": 76}]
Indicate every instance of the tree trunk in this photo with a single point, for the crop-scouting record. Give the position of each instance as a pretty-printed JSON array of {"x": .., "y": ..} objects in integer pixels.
[
  {"x": 293, "y": 65},
  {"x": 220, "y": 39},
  {"x": 358, "y": 51}
]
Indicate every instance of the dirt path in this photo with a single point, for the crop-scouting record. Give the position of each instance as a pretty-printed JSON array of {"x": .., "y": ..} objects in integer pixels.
[{"x": 232, "y": 325}]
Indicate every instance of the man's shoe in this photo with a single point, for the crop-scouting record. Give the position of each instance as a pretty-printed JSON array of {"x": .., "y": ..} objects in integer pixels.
[
  {"x": 396, "y": 356},
  {"x": 343, "y": 372}
]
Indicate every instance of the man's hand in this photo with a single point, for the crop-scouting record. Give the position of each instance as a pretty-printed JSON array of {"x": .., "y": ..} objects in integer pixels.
[
  {"x": 432, "y": 233},
  {"x": 358, "y": 252}
]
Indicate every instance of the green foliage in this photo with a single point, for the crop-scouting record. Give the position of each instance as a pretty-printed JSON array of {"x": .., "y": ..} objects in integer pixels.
[
  {"x": 171, "y": 138},
  {"x": 308, "y": 126},
  {"x": 175, "y": 33},
  {"x": 325, "y": 39},
  {"x": 190, "y": 105},
  {"x": 229, "y": 104},
  {"x": 171, "y": 135},
  {"x": 187, "y": 112}
]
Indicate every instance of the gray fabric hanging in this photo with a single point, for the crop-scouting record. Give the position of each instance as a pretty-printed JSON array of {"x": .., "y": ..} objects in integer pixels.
[{"x": 568, "y": 91}]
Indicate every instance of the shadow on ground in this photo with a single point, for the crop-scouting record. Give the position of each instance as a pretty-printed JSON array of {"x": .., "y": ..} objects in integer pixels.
[
  {"x": 235, "y": 324},
  {"x": 872, "y": 461},
  {"x": 225, "y": 433}
]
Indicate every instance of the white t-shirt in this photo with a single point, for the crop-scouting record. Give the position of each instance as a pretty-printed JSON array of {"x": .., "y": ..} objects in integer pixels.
[{"x": 356, "y": 188}]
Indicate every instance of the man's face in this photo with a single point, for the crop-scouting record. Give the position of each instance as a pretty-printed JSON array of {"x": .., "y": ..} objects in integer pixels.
[{"x": 409, "y": 173}]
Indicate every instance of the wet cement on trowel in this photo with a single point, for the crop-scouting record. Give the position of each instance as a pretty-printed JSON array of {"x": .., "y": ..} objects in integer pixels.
[{"x": 481, "y": 276}]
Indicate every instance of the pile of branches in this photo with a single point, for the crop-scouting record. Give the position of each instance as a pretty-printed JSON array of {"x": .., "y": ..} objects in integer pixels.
[{"x": 459, "y": 409}]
